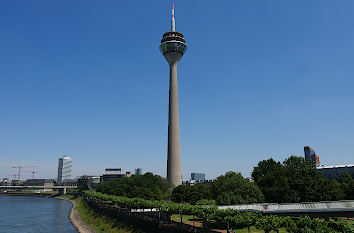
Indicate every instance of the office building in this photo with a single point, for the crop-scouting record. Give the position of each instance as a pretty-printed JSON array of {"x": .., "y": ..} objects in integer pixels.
[
  {"x": 197, "y": 176},
  {"x": 88, "y": 182},
  {"x": 17, "y": 182},
  {"x": 334, "y": 172},
  {"x": 310, "y": 155},
  {"x": 112, "y": 173},
  {"x": 64, "y": 169},
  {"x": 173, "y": 46}
]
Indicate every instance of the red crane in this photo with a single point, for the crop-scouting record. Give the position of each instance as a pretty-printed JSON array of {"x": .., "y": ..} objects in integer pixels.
[
  {"x": 19, "y": 169},
  {"x": 33, "y": 172}
]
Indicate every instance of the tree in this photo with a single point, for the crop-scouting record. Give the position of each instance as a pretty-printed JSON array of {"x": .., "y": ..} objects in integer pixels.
[
  {"x": 308, "y": 183},
  {"x": 191, "y": 194},
  {"x": 246, "y": 219},
  {"x": 271, "y": 178},
  {"x": 147, "y": 186},
  {"x": 232, "y": 188},
  {"x": 294, "y": 180},
  {"x": 347, "y": 185},
  {"x": 263, "y": 168},
  {"x": 269, "y": 223},
  {"x": 199, "y": 192},
  {"x": 180, "y": 193}
]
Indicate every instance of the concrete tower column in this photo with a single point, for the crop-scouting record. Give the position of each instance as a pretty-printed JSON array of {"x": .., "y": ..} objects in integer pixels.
[
  {"x": 173, "y": 47},
  {"x": 174, "y": 152}
]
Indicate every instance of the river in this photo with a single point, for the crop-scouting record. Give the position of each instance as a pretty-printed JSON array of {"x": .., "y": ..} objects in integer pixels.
[{"x": 34, "y": 215}]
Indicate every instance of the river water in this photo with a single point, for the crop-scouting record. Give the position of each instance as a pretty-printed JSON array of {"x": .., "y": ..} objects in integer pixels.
[{"x": 34, "y": 215}]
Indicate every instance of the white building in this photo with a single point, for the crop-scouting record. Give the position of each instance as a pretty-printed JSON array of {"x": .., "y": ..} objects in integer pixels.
[
  {"x": 64, "y": 169},
  {"x": 334, "y": 172}
]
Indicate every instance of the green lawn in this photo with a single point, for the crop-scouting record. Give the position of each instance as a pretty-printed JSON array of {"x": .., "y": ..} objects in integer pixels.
[{"x": 185, "y": 218}]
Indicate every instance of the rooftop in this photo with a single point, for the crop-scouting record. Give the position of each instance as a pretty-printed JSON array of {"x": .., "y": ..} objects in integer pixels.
[{"x": 335, "y": 166}]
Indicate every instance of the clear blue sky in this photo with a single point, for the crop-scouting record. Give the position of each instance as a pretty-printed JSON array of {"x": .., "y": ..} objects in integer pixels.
[{"x": 260, "y": 79}]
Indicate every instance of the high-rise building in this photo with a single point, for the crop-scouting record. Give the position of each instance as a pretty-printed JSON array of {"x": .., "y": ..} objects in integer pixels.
[
  {"x": 64, "y": 169},
  {"x": 308, "y": 152},
  {"x": 173, "y": 46},
  {"x": 138, "y": 171},
  {"x": 197, "y": 176},
  {"x": 310, "y": 155}
]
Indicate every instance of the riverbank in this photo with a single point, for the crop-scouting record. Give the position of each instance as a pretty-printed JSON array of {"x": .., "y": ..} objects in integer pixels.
[
  {"x": 25, "y": 194},
  {"x": 74, "y": 216},
  {"x": 86, "y": 220}
]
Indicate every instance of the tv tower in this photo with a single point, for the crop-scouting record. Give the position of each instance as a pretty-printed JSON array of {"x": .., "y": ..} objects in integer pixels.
[{"x": 173, "y": 47}]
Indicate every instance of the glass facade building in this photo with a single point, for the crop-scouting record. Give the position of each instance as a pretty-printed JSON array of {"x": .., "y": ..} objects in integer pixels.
[
  {"x": 64, "y": 169},
  {"x": 197, "y": 176},
  {"x": 310, "y": 155}
]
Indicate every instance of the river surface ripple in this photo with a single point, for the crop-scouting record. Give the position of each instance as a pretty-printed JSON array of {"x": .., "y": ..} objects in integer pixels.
[{"x": 34, "y": 214}]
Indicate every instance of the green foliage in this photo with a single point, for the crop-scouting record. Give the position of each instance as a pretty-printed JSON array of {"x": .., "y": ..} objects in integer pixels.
[
  {"x": 100, "y": 222},
  {"x": 191, "y": 194},
  {"x": 206, "y": 202},
  {"x": 228, "y": 217},
  {"x": 289, "y": 224},
  {"x": 347, "y": 185},
  {"x": 246, "y": 219},
  {"x": 232, "y": 188},
  {"x": 269, "y": 223},
  {"x": 147, "y": 186},
  {"x": 294, "y": 180},
  {"x": 229, "y": 189},
  {"x": 340, "y": 226},
  {"x": 264, "y": 167}
]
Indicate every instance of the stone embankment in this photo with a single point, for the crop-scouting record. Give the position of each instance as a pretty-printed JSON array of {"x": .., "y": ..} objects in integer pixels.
[{"x": 74, "y": 216}]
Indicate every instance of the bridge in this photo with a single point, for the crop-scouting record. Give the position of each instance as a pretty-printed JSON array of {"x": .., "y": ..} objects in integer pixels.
[{"x": 62, "y": 189}]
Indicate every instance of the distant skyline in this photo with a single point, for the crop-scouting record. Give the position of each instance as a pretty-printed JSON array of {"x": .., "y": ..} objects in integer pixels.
[{"x": 260, "y": 79}]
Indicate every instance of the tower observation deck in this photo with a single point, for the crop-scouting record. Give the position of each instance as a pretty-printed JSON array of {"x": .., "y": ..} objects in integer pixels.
[{"x": 173, "y": 46}]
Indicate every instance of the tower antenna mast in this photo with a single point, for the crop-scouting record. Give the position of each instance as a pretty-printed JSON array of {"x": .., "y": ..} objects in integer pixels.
[{"x": 173, "y": 23}]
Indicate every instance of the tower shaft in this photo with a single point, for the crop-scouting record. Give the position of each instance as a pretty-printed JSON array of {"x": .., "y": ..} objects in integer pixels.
[
  {"x": 174, "y": 152},
  {"x": 173, "y": 46}
]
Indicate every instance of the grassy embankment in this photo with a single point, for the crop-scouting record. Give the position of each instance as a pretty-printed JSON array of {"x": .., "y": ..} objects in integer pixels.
[{"x": 100, "y": 222}]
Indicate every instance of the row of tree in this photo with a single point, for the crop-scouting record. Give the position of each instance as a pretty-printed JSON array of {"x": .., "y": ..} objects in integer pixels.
[
  {"x": 227, "y": 218},
  {"x": 147, "y": 186},
  {"x": 227, "y": 189},
  {"x": 293, "y": 180},
  {"x": 297, "y": 180}
]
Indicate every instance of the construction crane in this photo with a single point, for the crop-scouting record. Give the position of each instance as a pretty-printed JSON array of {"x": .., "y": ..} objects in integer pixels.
[
  {"x": 33, "y": 172},
  {"x": 19, "y": 169}
]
